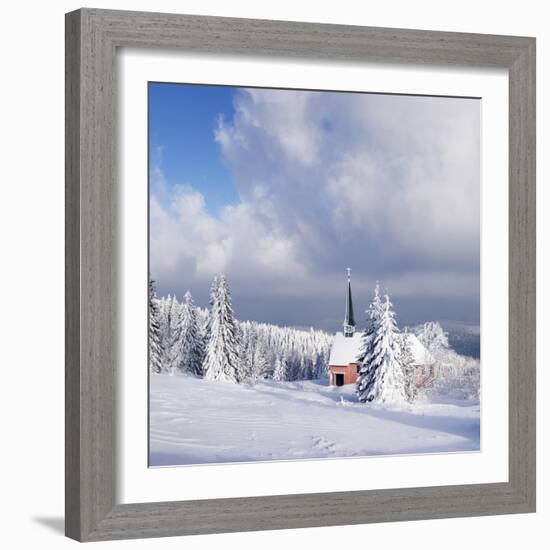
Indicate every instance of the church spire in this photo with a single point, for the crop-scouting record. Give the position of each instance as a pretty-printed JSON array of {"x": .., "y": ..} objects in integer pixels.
[{"x": 349, "y": 320}]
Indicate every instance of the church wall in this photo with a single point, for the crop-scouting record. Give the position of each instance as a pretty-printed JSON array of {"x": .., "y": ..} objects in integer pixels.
[{"x": 349, "y": 372}]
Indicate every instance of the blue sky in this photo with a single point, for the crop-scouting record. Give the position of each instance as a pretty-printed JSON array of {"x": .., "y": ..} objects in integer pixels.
[
  {"x": 282, "y": 190},
  {"x": 182, "y": 120}
]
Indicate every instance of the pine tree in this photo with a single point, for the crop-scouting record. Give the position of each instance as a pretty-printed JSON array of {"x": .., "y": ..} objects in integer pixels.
[
  {"x": 306, "y": 368},
  {"x": 188, "y": 348},
  {"x": 171, "y": 335},
  {"x": 249, "y": 337},
  {"x": 280, "y": 369},
  {"x": 223, "y": 361},
  {"x": 381, "y": 378},
  {"x": 374, "y": 313},
  {"x": 321, "y": 364},
  {"x": 261, "y": 368},
  {"x": 434, "y": 338},
  {"x": 165, "y": 320},
  {"x": 406, "y": 360},
  {"x": 294, "y": 367},
  {"x": 155, "y": 350}
]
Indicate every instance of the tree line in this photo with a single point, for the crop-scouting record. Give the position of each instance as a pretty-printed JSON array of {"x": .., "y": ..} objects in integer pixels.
[{"x": 214, "y": 344}]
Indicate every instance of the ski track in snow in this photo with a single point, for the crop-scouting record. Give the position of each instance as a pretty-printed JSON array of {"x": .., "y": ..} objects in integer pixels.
[{"x": 196, "y": 421}]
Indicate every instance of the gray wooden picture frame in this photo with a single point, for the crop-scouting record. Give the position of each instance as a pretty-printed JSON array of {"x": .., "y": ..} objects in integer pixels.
[{"x": 92, "y": 39}]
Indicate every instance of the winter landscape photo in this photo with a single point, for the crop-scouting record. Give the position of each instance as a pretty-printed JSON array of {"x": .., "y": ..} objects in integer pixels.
[{"x": 314, "y": 274}]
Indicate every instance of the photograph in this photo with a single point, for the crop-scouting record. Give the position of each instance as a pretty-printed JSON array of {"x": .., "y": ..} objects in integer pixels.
[
  {"x": 279, "y": 261},
  {"x": 313, "y": 274}
]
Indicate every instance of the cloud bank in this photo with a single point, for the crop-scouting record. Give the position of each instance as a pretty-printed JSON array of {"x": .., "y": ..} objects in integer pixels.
[{"x": 387, "y": 185}]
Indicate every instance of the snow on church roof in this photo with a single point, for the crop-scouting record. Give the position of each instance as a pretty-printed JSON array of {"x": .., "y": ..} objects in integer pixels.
[{"x": 345, "y": 349}]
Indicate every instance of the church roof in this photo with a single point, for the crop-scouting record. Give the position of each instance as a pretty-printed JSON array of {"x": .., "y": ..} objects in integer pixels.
[{"x": 345, "y": 350}]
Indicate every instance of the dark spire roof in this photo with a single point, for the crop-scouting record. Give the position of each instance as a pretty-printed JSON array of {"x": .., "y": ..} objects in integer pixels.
[{"x": 350, "y": 318}]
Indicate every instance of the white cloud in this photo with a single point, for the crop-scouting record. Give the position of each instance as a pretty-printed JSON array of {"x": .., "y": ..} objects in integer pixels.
[
  {"x": 386, "y": 184},
  {"x": 188, "y": 244},
  {"x": 286, "y": 120}
]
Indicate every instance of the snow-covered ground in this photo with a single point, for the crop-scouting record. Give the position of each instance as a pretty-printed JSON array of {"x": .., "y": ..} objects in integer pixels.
[{"x": 196, "y": 421}]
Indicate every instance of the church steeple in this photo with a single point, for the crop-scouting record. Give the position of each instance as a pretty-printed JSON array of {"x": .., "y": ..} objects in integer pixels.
[{"x": 349, "y": 320}]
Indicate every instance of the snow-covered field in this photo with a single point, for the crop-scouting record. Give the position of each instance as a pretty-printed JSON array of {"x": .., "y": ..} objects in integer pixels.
[{"x": 196, "y": 421}]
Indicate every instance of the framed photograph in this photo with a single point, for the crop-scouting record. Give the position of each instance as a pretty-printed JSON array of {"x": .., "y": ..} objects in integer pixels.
[{"x": 300, "y": 275}]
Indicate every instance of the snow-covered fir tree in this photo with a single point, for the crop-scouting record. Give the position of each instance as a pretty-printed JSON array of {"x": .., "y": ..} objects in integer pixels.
[
  {"x": 188, "y": 348},
  {"x": 164, "y": 304},
  {"x": 306, "y": 370},
  {"x": 434, "y": 338},
  {"x": 280, "y": 369},
  {"x": 294, "y": 371},
  {"x": 169, "y": 330},
  {"x": 321, "y": 365},
  {"x": 374, "y": 313},
  {"x": 249, "y": 341},
  {"x": 155, "y": 350},
  {"x": 406, "y": 360},
  {"x": 223, "y": 361},
  {"x": 381, "y": 378},
  {"x": 261, "y": 368}
]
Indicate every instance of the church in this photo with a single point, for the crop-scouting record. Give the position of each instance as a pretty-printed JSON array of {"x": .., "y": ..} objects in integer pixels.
[{"x": 344, "y": 365}]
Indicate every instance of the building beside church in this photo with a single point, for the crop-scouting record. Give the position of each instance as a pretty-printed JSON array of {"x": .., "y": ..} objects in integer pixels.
[{"x": 344, "y": 364}]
